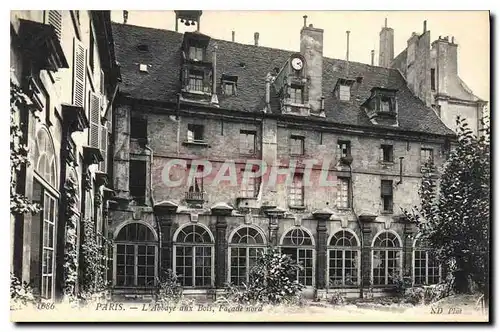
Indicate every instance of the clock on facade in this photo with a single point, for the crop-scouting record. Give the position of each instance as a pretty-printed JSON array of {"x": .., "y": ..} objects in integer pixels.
[{"x": 297, "y": 63}]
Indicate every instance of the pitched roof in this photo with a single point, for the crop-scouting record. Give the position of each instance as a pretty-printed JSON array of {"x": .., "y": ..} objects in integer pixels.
[{"x": 162, "y": 82}]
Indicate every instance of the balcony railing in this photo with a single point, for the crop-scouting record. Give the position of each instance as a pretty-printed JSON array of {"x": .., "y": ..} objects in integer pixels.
[{"x": 195, "y": 196}]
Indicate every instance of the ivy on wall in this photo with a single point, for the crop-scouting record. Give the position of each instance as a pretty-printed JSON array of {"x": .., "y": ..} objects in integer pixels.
[
  {"x": 70, "y": 248},
  {"x": 19, "y": 204}
]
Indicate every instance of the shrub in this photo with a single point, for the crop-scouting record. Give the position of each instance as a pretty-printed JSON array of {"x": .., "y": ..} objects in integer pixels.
[
  {"x": 337, "y": 298},
  {"x": 21, "y": 294},
  {"x": 272, "y": 281},
  {"x": 414, "y": 295},
  {"x": 169, "y": 289}
]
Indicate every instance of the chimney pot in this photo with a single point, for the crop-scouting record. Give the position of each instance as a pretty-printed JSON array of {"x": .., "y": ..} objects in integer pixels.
[
  {"x": 385, "y": 23},
  {"x": 453, "y": 39},
  {"x": 373, "y": 57},
  {"x": 125, "y": 16},
  {"x": 305, "y": 20},
  {"x": 232, "y": 35},
  {"x": 425, "y": 26},
  {"x": 311, "y": 26},
  {"x": 256, "y": 38}
]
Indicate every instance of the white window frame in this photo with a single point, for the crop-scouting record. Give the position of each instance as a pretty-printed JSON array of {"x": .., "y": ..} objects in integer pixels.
[
  {"x": 311, "y": 247},
  {"x": 426, "y": 251},
  {"x": 231, "y": 245},
  {"x": 356, "y": 249},
  {"x": 194, "y": 245},
  {"x": 135, "y": 243},
  {"x": 386, "y": 249},
  {"x": 344, "y": 92}
]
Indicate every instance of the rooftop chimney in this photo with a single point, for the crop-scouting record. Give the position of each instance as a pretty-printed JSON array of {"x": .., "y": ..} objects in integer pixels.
[
  {"x": 232, "y": 35},
  {"x": 305, "y": 20},
  {"x": 311, "y": 48},
  {"x": 386, "y": 49},
  {"x": 373, "y": 57},
  {"x": 425, "y": 26},
  {"x": 256, "y": 38},
  {"x": 125, "y": 16},
  {"x": 347, "y": 52}
]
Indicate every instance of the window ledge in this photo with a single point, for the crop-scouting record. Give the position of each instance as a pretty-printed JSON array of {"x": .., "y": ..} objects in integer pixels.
[
  {"x": 388, "y": 163},
  {"x": 197, "y": 92},
  {"x": 297, "y": 207},
  {"x": 343, "y": 208},
  {"x": 386, "y": 212},
  {"x": 196, "y": 143}
]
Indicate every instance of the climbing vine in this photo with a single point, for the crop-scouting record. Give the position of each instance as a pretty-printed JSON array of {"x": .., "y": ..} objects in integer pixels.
[
  {"x": 70, "y": 250},
  {"x": 94, "y": 261},
  {"x": 19, "y": 204}
]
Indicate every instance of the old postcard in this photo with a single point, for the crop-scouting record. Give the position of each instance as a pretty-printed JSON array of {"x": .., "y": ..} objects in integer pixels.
[{"x": 195, "y": 165}]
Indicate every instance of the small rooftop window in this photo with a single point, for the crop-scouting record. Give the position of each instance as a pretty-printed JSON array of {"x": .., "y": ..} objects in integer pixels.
[
  {"x": 342, "y": 90},
  {"x": 143, "y": 68},
  {"x": 143, "y": 47}
]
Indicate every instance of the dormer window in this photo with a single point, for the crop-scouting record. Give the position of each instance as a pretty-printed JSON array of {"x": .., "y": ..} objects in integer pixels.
[
  {"x": 381, "y": 107},
  {"x": 385, "y": 105},
  {"x": 342, "y": 90},
  {"x": 296, "y": 94},
  {"x": 195, "y": 80},
  {"x": 195, "y": 53},
  {"x": 228, "y": 84}
]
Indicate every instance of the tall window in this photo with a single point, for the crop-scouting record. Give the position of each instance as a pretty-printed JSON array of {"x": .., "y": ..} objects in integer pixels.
[
  {"x": 385, "y": 104},
  {"x": 426, "y": 156},
  {"x": 247, "y": 142},
  {"x": 249, "y": 185},
  {"x": 386, "y": 153},
  {"x": 343, "y": 149},
  {"x": 299, "y": 245},
  {"x": 138, "y": 127},
  {"x": 433, "y": 79},
  {"x": 296, "y": 194},
  {"x": 343, "y": 190},
  {"x": 136, "y": 256},
  {"x": 344, "y": 92},
  {"x": 343, "y": 259},
  {"x": 193, "y": 252},
  {"x": 195, "y": 133},
  {"x": 137, "y": 180},
  {"x": 196, "y": 53},
  {"x": 296, "y": 145},
  {"x": 245, "y": 246},
  {"x": 426, "y": 269},
  {"x": 296, "y": 95},
  {"x": 91, "y": 48},
  {"x": 45, "y": 169},
  {"x": 386, "y": 193},
  {"x": 386, "y": 258},
  {"x": 195, "y": 80}
]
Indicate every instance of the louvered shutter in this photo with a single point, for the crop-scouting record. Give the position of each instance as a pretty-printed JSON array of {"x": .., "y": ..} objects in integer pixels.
[
  {"x": 78, "y": 73},
  {"x": 95, "y": 117},
  {"x": 104, "y": 148},
  {"x": 54, "y": 18}
]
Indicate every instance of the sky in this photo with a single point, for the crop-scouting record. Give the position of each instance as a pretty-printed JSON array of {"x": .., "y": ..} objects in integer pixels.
[{"x": 281, "y": 29}]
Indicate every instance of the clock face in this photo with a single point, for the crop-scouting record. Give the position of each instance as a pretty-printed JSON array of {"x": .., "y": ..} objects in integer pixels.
[{"x": 297, "y": 63}]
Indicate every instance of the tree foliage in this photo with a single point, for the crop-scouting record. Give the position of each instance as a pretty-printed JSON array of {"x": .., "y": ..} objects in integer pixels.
[
  {"x": 19, "y": 101},
  {"x": 454, "y": 215}
]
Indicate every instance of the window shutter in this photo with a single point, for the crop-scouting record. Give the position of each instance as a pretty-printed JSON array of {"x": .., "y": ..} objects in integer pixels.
[
  {"x": 104, "y": 149},
  {"x": 386, "y": 188},
  {"x": 55, "y": 19},
  {"x": 78, "y": 73},
  {"x": 95, "y": 117}
]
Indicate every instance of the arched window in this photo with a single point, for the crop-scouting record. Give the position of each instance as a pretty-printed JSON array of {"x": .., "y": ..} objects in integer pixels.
[
  {"x": 343, "y": 259},
  {"x": 44, "y": 193},
  {"x": 136, "y": 256},
  {"x": 245, "y": 245},
  {"x": 193, "y": 252},
  {"x": 426, "y": 270},
  {"x": 45, "y": 157},
  {"x": 298, "y": 244},
  {"x": 386, "y": 258}
]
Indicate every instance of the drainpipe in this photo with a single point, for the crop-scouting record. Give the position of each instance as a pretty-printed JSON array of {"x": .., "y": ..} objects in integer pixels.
[
  {"x": 361, "y": 260},
  {"x": 151, "y": 199}
]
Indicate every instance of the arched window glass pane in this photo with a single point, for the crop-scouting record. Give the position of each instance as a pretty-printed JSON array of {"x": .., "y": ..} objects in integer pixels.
[
  {"x": 45, "y": 157},
  {"x": 193, "y": 234},
  {"x": 247, "y": 235},
  {"x": 343, "y": 239},
  {"x": 135, "y": 232},
  {"x": 387, "y": 240},
  {"x": 297, "y": 237}
]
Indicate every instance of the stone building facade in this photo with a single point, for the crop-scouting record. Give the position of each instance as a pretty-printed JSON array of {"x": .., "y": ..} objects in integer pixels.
[
  {"x": 192, "y": 109},
  {"x": 431, "y": 71},
  {"x": 64, "y": 62}
]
